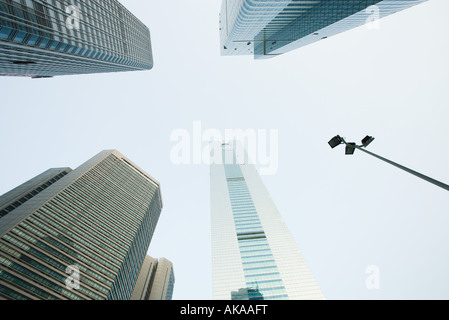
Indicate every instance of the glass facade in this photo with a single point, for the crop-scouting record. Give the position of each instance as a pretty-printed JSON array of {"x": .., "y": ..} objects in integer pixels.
[
  {"x": 254, "y": 257},
  {"x": 98, "y": 219},
  {"x": 258, "y": 263},
  {"x": 47, "y": 38},
  {"x": 270, "y": 28},
  {"x": 156, "y": 280},
  {"x": 170, "y": 285},
  {"x": 28, "y": 190}
]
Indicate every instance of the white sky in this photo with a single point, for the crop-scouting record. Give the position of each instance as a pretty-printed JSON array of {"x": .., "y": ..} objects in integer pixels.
[{"x": 346, "y": 213}]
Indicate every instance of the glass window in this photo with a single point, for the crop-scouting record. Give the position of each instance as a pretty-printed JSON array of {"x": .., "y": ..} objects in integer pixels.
[
  {"x": 19, "y": 36},
  {"x": 5, "y": 32},
  {"x": 44, "y": 43},
  {"x": 33, "y": 40},
  {"x": 54, "y": 45}
]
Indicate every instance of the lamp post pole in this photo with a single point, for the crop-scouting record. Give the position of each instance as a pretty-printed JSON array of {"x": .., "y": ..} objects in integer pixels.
[{"x": 417, "y": 174}]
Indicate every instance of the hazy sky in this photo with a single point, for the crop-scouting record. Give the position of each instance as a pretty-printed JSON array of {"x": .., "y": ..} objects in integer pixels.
[{"x": 346, "y": 213}]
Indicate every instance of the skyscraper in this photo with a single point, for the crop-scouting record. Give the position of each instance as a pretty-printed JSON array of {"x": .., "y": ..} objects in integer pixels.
[
  {"x": 254, "y": 257},
  {"x": 40, "y": 38},
  {"x": 16, "y": 197},
  {"x": 270, "y": 28},
  {"x": 156, "y": 280},
  {"x": 84, "y": 237}
]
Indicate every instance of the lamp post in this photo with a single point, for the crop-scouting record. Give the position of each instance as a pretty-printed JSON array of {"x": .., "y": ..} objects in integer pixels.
[{"x": 351, "y": 147}]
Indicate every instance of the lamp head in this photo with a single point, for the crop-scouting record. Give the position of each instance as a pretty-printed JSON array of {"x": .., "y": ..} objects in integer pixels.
[
  {"x": 367, "y": 140},
  {"x": 350, "y": 148},
  {"x": 335, "y": 141}
]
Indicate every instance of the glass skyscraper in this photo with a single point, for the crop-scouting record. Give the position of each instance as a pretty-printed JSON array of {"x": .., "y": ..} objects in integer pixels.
[
  {"x": 156, "y": 280},
  {"x": 270, "y": 28},
  {"x": 254, "y": 257},
  {"x": 46, "y": 38},
  {"x": 16, "y": 197},
  {"x": 78, "y": 235}
]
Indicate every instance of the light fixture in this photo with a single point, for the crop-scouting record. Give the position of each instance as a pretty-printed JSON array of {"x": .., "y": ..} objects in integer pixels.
[
  {"x": 367, "y": 140},
  {"x": 335, "y": 141},
  {"x": 351, "y": 146}
]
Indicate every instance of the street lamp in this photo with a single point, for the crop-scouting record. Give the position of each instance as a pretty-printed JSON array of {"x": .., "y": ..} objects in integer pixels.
[
  {"x": 336, "y": 141},
  {"x": 351, "y": 147}
]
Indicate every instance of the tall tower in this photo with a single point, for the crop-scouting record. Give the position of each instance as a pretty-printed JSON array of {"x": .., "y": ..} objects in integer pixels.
[
  {"x": 269, "y": 28},
  {"x": 156, "y": 280},
  {"x": 84, "y": 237},
  {"x": 18, "y": 196},
  {"x": 40, "y": 38},
  {"x": 254, "y": 256}
]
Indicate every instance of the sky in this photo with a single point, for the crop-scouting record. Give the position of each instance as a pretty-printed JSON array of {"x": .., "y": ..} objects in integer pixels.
[{"x": 366, "y": 229}]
